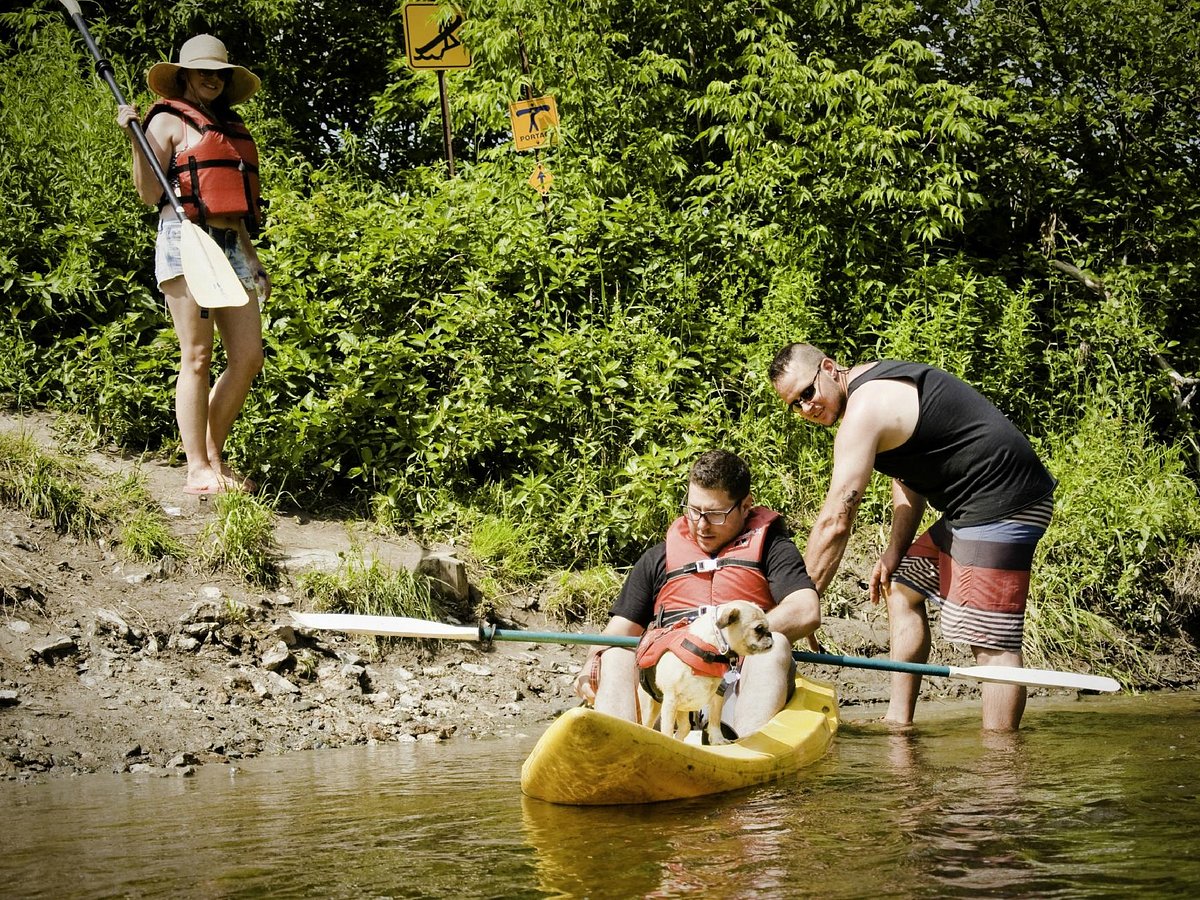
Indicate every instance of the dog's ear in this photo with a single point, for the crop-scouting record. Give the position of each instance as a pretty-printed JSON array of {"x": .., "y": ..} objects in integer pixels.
[{"x": 727, "y": 615}]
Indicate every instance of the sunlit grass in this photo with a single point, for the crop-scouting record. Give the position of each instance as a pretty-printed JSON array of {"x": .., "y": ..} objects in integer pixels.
[
  {"x": 146, "y": 536},
  {"x": 241, "y": 538},
  {"x": 365, "y": 587},
  {"x": 584, "y": 596},
  {"x": 49, "y": 486}
]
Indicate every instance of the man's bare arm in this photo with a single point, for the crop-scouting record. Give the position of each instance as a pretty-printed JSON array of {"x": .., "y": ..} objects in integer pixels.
[
  {"x": 853, "y": 460},
  {"x": 797, "y": 616},
  {"x": 908, "y": 508}
]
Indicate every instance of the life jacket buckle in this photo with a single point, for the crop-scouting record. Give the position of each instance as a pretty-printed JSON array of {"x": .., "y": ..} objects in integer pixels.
[{"x": 707, "y": 565}]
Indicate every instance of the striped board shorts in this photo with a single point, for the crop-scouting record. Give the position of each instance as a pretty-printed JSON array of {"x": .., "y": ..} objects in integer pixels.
[{"x": 978, "y": 575}]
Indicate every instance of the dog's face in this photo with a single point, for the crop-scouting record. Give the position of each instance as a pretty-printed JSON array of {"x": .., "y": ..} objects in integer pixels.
[{"x": 745, "y": 627}]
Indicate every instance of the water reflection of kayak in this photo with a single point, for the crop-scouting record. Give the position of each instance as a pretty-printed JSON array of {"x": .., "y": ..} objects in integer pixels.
[{"x": 589, "y": 758}]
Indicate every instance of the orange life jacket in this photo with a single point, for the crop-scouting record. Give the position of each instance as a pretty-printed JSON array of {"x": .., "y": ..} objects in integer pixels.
[
  {"x": 695, "y": 579},
  {"x": 218, "y": 176}
]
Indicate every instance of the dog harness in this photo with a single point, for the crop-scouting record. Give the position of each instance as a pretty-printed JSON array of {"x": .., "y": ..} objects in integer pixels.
[
  {"x": 703, "y": 657},
  {"x": 695, "y": 579},
  {"x": 218, "y": 176}
]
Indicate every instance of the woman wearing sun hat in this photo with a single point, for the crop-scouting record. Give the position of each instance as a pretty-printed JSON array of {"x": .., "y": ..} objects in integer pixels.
[{"x": 212, "y": 162}]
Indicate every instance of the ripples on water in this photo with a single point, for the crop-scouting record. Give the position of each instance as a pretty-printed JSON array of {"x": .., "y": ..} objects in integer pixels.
[{"x": 1093, "y": 799}]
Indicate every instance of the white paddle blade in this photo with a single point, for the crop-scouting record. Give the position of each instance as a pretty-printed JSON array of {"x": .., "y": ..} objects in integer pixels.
[
  {"x": 206, "y": 269},
  {"x": 1037, "y": 678},
  {"x": 387, "y": 626}
]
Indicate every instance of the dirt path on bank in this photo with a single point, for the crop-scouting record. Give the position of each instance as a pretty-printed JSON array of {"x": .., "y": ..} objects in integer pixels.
[{"x": 111, "y": 666}]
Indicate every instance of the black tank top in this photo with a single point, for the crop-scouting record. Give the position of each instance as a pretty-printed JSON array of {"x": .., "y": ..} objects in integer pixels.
[{"x": 965, "y": 457}]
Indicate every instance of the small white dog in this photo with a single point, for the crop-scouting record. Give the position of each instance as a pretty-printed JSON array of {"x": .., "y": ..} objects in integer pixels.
[{"x": 738, "y": 628}]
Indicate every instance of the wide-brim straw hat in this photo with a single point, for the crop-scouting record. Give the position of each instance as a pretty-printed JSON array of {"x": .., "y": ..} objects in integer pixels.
[{"x": 202, "y": 52}]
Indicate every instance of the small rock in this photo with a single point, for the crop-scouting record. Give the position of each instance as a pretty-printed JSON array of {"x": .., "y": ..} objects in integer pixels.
[
  {"x": 447, "y": 574},
  {"x": 322, "y": 560},
  {"x": 107, "y": 620},
  {"x": 9, "y": 698},
  {"x": 20, "y": 541},
  {"x": 350, "y": 658},
  {"x": 203, "y": 610},
  {"x": 277, "y": 657},
  {"x": 53, "y": 647},
  {"x": 472, "y": 669},
  {"x": 280, "y": 685}
]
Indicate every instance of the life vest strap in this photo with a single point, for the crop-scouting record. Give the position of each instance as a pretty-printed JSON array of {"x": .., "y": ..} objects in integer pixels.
[{"x": 711, "y": 565}]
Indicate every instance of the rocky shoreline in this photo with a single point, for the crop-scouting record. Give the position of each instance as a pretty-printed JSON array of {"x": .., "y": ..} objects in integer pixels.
[{"x": 107, "y": 666}]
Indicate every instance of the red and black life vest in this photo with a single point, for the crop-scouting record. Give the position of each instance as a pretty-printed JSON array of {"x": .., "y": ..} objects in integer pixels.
[
  {"x": 695, "y": 579},
  {"x": 218, "y": 176},
  {"x": 703, "y": 657}
]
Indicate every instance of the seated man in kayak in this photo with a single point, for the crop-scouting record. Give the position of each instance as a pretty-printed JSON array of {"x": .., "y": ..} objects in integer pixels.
[{"x": 721, "y": 548}]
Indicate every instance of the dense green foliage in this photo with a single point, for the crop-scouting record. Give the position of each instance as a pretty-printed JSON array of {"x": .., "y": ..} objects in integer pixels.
[{"x": 1007, "y": 190}]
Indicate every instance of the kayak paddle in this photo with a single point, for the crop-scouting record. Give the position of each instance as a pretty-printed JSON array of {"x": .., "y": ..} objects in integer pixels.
[
  {"x": 206, "y": 269},
  {"x": 399, "y": 626}
]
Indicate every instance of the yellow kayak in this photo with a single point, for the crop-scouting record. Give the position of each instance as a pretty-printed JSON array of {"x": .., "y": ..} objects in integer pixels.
[{"x": 589, "y": 758}]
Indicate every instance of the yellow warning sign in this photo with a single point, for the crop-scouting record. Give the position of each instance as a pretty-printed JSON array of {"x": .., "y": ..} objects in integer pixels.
[
  {"x": 534, "y": 122},
  {"x": 431, "y": 41},
  {"x": 541, "y": 179}
]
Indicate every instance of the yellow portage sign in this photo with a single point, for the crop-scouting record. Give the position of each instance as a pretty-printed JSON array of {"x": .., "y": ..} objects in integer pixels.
[
  {"x": 534, "y": 122},
  {"x": 431, "y": 42}
]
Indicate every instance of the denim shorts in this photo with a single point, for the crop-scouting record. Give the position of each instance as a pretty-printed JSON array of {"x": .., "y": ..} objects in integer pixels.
[{"x": 168, "y": 262}]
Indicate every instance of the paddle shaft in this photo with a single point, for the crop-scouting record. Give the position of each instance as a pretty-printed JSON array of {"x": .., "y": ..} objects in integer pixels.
[
  {"x": 620, "y": 640},
  {"x": 104, "y": 70},
  {"x": 400, "y": 626},
  {"x": 1014, "y": 675}
]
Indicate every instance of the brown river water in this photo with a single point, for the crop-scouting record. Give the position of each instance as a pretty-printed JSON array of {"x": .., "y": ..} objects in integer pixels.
[{"x": 1096, "y": 797}]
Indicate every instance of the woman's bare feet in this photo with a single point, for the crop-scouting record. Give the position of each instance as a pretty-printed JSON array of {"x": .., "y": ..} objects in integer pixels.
[
  {"x": 236, "y": 482},
  {"x": 203, "y": 481}
]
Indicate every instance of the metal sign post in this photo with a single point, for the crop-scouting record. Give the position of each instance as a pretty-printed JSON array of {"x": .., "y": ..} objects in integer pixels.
[
  {"x": 431, "y": 43},
  {"x": 446, "y": 139}
]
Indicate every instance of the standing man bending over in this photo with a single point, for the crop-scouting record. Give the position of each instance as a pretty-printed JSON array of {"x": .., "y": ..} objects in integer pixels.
[
  {"x": 942, "y": 443},
  {"x": 721, "y": 548}
]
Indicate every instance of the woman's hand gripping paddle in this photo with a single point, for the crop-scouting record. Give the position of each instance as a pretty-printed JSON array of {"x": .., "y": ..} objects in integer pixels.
[{"x": 209, "y": 276}]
